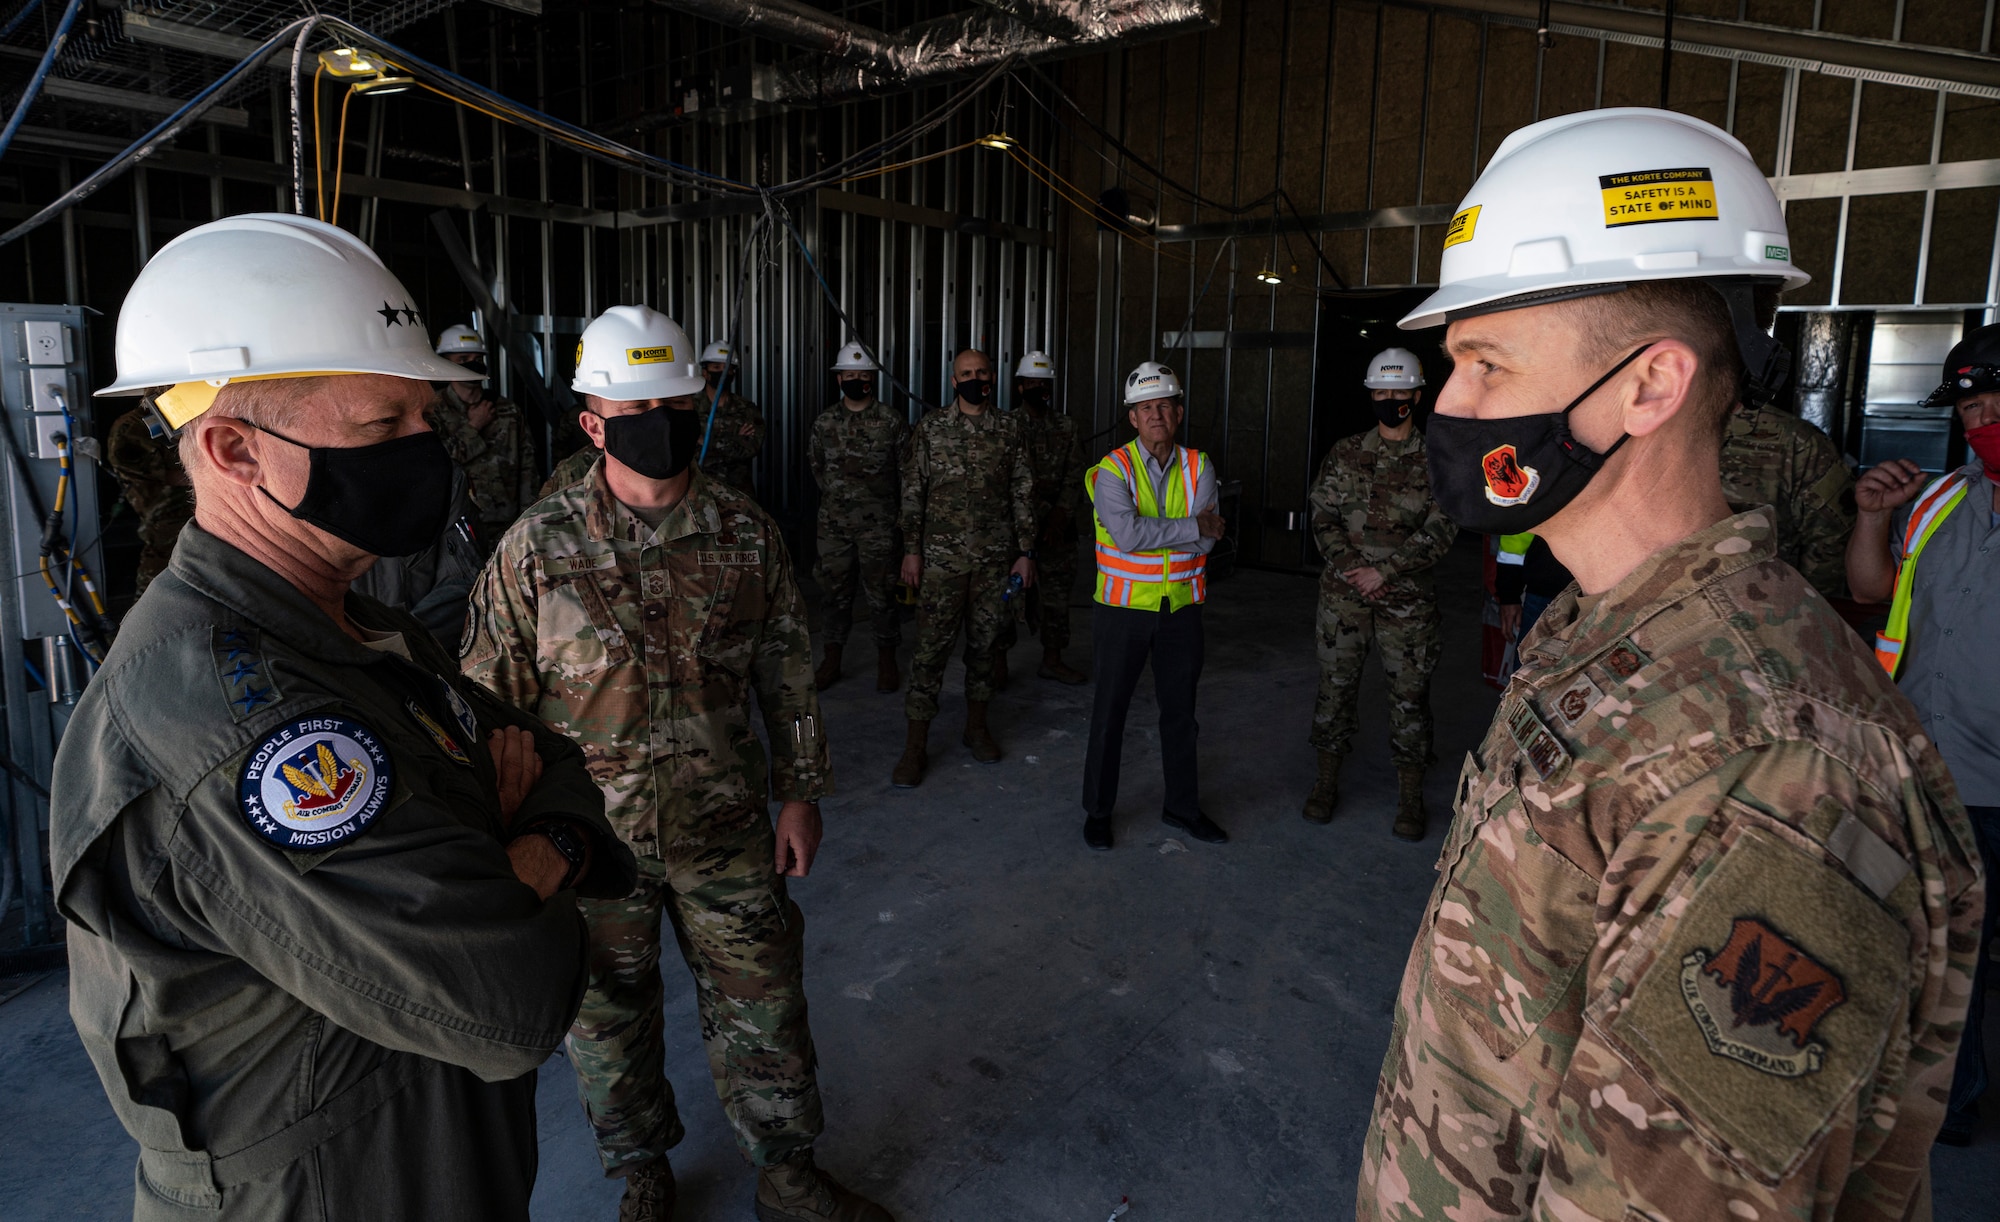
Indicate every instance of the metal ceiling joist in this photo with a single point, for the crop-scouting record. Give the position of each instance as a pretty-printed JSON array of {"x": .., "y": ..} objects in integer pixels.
[
  {"x": 1893, "y": 63},
  {"x": 147, "y": 103}
]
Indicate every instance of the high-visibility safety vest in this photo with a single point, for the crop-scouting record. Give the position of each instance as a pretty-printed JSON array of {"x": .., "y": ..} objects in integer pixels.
[
  {"x": 1514, "y": 548},
  {"x": 1937, "y": 501},
  {"x": 1145, "y": 580}
]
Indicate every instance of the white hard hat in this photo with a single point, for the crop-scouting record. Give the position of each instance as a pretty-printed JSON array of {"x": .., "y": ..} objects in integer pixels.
[
  {"x": 460, "y": 338},
  {"x": 1394, "y": 369},
  {"x": 1036, "y": 365},
  {"x": 718, "y": 351},
  {"x": 1609, "y": 197},
  {"x": 635, "y": 352},
  {"x": 266, "y": 295},
  {"x": 1151, "y": 380},
  {"x": 854, "y": 358}
]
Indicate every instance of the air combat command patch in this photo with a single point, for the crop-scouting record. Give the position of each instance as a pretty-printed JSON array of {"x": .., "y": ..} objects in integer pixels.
[
  {"x": 315, "y": 783},
  {"x": 1758, "y": 999}
]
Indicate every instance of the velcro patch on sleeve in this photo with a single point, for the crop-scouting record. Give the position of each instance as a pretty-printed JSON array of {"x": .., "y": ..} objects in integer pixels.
[
  {"x": 1769, "y": 1002},
  {"x": 315, "y": 783}
]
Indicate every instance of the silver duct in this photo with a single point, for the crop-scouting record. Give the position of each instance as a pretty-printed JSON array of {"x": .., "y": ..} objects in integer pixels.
[
  {"x": 801, "y": 25},
  {"x": 855, "y": 60}
]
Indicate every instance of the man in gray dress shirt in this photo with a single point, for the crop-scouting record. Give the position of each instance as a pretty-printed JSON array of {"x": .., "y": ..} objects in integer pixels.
[
  {"x": 1155, "y": 503},
  {"x": 1932, "y": 550}
]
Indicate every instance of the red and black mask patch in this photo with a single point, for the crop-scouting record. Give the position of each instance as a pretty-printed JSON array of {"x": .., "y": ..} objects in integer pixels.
[{"x": 1507, "y": 481}]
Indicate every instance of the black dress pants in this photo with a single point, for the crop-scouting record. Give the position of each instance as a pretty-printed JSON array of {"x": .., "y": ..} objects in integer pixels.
[{"x": 1122, "y": 639}]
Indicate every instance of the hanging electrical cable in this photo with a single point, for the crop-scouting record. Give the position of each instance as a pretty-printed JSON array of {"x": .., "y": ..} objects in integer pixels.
[{"x": 35, "y": 82}]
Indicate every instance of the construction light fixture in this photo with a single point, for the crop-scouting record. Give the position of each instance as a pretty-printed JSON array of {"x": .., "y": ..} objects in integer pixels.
[
  {"x": 998, "y": 140},
  {"x": 1269, "y": 277},
  {"x": 348, "y": 62},
  {"x": 384, "y": 85}
]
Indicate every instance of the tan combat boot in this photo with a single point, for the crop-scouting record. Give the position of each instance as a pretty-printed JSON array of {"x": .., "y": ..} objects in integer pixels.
[
  {"x": 1410, "y": 817},
  {"x": 649, "y": 1193},
  {"x": 829, "y": 668},
  {"x": 977, "y": 736},
  {"x": 1326, "y": 790},
  {"x": 909, "y": 771},
  {"x": 887, "y": 677},
  {"x": 1053, "y": 667},
  {"x": 796, "y": 1190}
]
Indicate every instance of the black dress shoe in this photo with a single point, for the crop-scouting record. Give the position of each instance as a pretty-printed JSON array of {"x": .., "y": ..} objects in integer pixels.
[
  {"x": 1200, "y": 827},
  {"x": 1097, "y": 832}
]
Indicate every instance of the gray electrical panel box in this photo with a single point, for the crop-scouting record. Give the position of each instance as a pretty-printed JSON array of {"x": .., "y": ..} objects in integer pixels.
[{"x": 43, "y": 371}]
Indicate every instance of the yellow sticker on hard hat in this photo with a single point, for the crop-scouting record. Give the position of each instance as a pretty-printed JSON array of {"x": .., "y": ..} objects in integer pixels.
[
  {"x": 662, "y": 355},
  {"x": 1643, "y": 197},
  {"x": 1462, "y": 226}
]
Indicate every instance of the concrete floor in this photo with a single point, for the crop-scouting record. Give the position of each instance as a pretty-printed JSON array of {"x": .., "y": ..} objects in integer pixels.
[{"x": 1011, "y": 1027}]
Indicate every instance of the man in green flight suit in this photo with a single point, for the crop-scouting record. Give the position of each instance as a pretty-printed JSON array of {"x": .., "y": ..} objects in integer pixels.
[
  {"x": 322, "y": 930},
  {"x": 636, "y": 611}
]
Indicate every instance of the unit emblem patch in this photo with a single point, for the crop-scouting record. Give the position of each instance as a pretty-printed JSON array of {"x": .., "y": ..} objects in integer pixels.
[
  {"x": 1625, "y": 659},
  {"x": 1507, "y": 481},
  {"x": 1758, "y": 999},
  {"x": 461, "y": 711},
  {"x": 315, "y": 783}
]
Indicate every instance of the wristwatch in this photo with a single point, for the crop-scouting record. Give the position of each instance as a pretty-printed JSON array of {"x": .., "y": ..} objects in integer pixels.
[
  {"x": 1028, "y": 553},
  {"x": 570, "y": 843}
]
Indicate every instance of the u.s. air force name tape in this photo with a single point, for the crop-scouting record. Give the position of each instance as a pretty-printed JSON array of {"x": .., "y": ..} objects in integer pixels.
[
  {"x": 1644, "y": 197},
  {"x": 315, "y": 783}
]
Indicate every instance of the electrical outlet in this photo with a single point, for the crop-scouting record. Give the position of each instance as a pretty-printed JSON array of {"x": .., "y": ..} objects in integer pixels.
[
  {"x": 48, "y": 343},
  {"x": 47, "y": 429},
  {"x": 43, "y": 387}
]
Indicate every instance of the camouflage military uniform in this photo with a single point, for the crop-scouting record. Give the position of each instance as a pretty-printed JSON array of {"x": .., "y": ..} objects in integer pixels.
[
  {"x": 968, "y": 510},
  {"x": 1771, "y": 457},
  {"x": 1372, "y": 506},
  {"x": 853, "y": 455},
  {"x": 644, "y": 644},
  {"x": 1056, "y": 460},
  {"x": 1702, "y": 935},
  {"x": 156, "y": 486},
  {"x": 499, "y": 460},
  {"x": 570, "y": 469},
  {"x": 730, "y": 452}
]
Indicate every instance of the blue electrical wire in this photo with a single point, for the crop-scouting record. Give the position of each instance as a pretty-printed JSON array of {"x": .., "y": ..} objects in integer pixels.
[
  {"x": 41, "y": 74},
  {"x": 14, "y": 22},
  {"x": 166, "y": 130},
  {"x": 35, "y": 673}
]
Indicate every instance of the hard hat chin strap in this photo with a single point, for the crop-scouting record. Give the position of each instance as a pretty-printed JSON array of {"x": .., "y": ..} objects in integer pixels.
[{"x": 1767, "y": 364}]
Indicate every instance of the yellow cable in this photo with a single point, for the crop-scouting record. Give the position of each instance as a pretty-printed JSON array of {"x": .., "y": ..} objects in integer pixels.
[
  {"x": 319, "y": 161},
  {"x": 904, "y": 165},
  {"x": 340, "y": 153}
]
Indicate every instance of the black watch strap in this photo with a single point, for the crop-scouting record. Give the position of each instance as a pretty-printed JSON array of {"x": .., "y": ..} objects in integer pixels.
[{"x": 570, "y": 843}]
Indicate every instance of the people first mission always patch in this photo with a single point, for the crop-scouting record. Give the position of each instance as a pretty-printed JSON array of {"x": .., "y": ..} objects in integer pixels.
[{"x": 315, "y": 783}]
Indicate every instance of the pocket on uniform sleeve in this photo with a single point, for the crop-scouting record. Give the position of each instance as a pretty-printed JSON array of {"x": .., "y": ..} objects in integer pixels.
[
  {"x": 1769, "y": 1001},
  {"x": 1514, "y": 922}
]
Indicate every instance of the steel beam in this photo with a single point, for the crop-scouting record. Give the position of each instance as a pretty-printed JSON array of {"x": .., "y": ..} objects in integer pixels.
[{"x": 931, "y": 218}]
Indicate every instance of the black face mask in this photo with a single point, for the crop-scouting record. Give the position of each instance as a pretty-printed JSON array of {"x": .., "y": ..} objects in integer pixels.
[
  {"x": 974, "y": 390},
  {"x": 857, "y": 390},
  {"x": 1037, "y": 398},
  {"x": 477, "y": 366},
  {"x": 1392, "y": 412},
  {"x": 658, "y": 443},
  {"x": 1503, "y": 477},
  {"x": 392, "y": 498}
]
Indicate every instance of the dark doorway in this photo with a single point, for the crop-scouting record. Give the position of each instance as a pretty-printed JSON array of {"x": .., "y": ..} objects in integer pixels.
[{"x": 1354, "y": 325}]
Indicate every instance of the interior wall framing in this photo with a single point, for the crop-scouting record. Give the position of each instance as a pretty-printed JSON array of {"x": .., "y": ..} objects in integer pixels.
[{"x": 1389, "y": 110}]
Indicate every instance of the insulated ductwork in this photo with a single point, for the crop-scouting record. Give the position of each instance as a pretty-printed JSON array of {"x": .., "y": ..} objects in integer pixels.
[
  {"x": 801, "y": 25},
  {"x": 855, "y": 60}
]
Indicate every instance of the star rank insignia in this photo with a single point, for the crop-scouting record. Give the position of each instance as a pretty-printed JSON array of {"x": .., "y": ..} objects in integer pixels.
[{"x": 239, "y": 667}]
